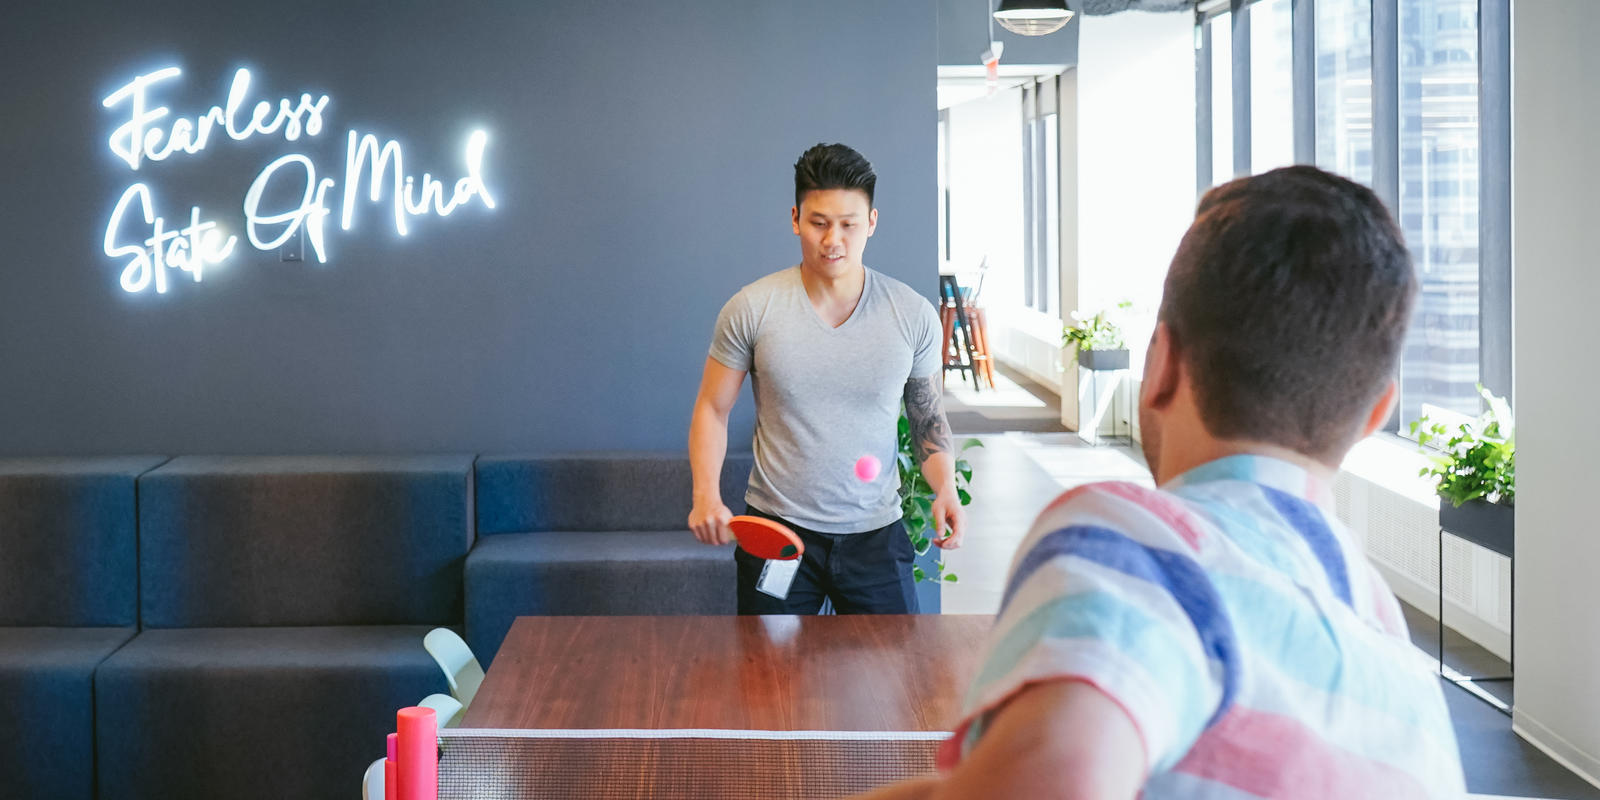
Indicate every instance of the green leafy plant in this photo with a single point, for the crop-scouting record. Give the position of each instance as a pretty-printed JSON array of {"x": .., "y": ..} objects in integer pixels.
[
  {"x": 1099, "y": 332},
  {"x": 916, "y": 498},
  {"x": 1478, "y": 459}
]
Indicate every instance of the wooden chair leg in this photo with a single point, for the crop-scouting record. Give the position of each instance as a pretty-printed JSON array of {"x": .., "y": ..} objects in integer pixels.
[{"x": 980, "y": 325}]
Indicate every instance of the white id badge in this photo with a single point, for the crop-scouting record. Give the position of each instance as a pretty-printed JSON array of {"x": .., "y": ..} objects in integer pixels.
[{"x": 777, "y": 577}]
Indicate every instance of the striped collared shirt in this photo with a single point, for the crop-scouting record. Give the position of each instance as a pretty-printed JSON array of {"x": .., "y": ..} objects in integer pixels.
[{"x": 1239, "y": 626}]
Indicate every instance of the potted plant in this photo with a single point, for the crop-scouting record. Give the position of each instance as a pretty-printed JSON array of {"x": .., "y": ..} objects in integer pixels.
[
  {"x": 1096, "y": 341},
  {"x": 916, "y": 505},
  {"x": 1475, "y": 471}
]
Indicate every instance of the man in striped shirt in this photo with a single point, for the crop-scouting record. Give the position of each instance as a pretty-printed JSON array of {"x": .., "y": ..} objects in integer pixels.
[{"x": 1222, "y": 636}]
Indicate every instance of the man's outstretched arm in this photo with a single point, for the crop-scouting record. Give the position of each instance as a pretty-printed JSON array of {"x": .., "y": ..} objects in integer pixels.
[
  {"x": 708, "y": 448},
  {"x": 1059, "y": 740},
  {"x": 930, "y": 438}
]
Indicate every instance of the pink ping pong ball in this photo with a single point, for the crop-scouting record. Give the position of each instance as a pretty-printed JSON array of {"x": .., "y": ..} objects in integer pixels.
[{"x": 867, "y": 468}]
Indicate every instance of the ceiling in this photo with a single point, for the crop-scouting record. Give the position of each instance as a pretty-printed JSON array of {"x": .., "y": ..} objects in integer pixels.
[{"x": 1095, "y": 8}]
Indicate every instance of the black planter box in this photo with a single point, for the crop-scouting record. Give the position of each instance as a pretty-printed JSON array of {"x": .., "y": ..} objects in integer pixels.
[
  {"x": 1488, "y": 525},
  {"x": 1103, "y": 359}
]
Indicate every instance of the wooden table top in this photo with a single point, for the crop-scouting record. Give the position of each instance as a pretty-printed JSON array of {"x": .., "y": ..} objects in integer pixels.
[{"x": 775, "y": 673}]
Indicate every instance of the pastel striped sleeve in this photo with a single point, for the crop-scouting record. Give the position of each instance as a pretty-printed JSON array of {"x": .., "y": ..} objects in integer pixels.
[
  {"x": 1385, "y": 607},
  {"x": 1106, "y": 590}
]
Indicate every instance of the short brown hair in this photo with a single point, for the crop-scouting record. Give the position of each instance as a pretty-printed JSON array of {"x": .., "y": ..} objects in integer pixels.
[{"x": 1288, "y": 301}]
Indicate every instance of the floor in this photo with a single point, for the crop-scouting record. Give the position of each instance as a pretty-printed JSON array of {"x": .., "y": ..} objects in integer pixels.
[
  {"x": 1014, "y": 403},
  {"x": 1025, "y": 462}
]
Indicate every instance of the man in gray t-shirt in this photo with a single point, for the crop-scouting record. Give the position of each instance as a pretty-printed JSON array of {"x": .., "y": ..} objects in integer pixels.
[{"x": 832, "y": 349}]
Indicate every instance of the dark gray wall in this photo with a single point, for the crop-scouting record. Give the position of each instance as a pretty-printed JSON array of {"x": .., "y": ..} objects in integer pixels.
[
  {"x": 964, "y": 35},
  {"x": 640, "y": 156}
]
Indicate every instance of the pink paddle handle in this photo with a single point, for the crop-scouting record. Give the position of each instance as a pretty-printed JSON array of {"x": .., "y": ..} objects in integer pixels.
[{"x": 391, "y": 768}]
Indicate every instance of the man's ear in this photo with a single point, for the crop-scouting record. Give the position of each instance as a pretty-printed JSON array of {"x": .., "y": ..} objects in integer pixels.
[
  {"x": 1162, "y": 369},
  {"x": 872, "y": 222},
  {"x": 794, "y": 218},
  {"x": 1382, "y": 410}
]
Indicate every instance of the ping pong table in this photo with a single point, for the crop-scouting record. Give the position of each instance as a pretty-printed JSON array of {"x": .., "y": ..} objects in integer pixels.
[{"x": 711, "y": 706}]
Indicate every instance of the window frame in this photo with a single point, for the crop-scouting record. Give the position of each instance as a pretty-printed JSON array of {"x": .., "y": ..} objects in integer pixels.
[{"x": 1041, "y": 193}]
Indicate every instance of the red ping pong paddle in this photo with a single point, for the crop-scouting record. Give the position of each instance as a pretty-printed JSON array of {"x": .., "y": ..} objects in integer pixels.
[{"x": 766, "y": 539}]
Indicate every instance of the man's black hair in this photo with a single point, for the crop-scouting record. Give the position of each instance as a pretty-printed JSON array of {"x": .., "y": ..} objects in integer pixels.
[{"x": 833, "y": 166}]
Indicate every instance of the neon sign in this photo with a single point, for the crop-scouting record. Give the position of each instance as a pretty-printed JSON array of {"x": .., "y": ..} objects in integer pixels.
[
  {"x": 188, "y": 249},
  {"x": 151, "y": 133}
]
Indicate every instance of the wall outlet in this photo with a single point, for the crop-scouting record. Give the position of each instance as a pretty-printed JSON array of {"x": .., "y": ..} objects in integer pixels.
[{"x": 294, "y": 248}]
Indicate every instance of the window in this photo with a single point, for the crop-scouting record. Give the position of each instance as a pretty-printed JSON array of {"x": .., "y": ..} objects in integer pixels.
[
  {"x": 1051, "y": 255},
  {"x": 1439, "y": 203},
  {"x": 943, "y": 147},
  {"x": 1344, "y": 88},
  {"x": 1271, "y": 85},
  {"x": 1041, "y": 187},
  {"x": 1446, "y": 159},
  {"x": 1221, "y": 98}
]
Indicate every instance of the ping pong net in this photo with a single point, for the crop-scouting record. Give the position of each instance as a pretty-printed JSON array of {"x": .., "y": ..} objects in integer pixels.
[{"x": 490, "y": 764}]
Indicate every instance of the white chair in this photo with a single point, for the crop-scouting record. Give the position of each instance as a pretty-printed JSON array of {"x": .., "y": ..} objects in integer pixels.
[
  {"x": 372, "y": 782},
  {"x": 460, "y": 667},
  {"x": 446, "y": 709}
]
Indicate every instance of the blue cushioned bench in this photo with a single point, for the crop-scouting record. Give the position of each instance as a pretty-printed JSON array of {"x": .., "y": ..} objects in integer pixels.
[
  {"x": 284, "y": 601},
  {"x": 68, "y": 599},
  {"x": 593, "y": 533}
]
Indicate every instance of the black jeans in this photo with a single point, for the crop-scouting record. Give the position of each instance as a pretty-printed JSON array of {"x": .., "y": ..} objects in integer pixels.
[{"x": 862, "y": 573}]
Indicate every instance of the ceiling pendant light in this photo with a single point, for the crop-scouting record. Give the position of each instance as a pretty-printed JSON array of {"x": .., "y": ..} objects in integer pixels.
[{"x": 1033, "y": 17}]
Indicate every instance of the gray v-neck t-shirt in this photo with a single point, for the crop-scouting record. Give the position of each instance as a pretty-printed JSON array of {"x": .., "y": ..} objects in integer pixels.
[{"x": 826, "y": 397}]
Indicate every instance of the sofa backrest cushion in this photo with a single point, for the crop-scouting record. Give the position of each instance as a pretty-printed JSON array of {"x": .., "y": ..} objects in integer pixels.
[
  {"x": 304, "y": 540},
  {"x": 596, "y": 491},
  {"x": 68, "y": 541}
]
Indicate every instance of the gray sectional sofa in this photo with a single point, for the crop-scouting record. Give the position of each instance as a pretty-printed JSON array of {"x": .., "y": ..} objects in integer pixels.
[
  {"x": 284, "y": 601},
  {"x": 246, "y": 627}
]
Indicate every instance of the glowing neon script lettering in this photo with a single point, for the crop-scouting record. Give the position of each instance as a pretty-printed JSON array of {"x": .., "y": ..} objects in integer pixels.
[
  {"x": 366, "y": 148},
  {"x": 310, "y": 213},
  {"x": 139, "y": 138},
  {"x": 386, "y": 159},
  {"x": 188, "y": 249}
]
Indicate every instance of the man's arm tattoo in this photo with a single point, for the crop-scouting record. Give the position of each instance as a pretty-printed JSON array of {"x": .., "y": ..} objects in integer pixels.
[{"x": 930, "y": 431}]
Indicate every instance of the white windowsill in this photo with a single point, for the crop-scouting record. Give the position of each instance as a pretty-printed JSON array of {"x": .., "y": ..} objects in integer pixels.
[{"x": 1393, "y": 463}]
